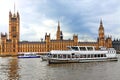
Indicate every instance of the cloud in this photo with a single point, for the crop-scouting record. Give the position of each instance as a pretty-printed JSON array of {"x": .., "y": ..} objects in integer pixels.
[{"x": 80, "y": 17}]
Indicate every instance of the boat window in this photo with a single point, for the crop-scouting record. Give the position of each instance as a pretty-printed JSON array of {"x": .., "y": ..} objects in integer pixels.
[
  {"x": 98, "y": 55},
  {"x": 76, "y": 56},
  {"x": 88, "y": 56},
  {"x": 54, "y": 56},
  {"x": 92, "y": 55},
  {"x": 59, "y": 56},
  {"x": 83, "y": 56},
  {"x": 68, "y": 56},
  {"x": 95, "y": 55},
  {"x": 64, "y": 56},
  {"x": 82, "y": 48},
  {"x": 75, "y": 48},
  {"x": 104, "y": 55},
  {"x": 90, "y": 48}
]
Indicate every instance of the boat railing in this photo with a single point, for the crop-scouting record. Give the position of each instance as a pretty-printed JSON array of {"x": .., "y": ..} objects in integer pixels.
[{"x": 76, "y": 56}]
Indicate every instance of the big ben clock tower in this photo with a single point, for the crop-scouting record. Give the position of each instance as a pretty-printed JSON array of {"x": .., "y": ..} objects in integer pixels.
[{"x": 101, "y": 39}]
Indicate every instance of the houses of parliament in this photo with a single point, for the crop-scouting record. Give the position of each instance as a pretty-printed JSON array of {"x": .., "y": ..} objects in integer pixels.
[{"x": 10, "y": 44}]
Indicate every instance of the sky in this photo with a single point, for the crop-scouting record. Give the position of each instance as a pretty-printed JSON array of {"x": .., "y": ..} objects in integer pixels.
[{"x": 81, "y": 17}]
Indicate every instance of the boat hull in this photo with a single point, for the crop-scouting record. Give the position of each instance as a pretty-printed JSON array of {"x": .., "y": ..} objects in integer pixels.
[
  {"x": 44, "y": 57},
  {"x": 57, "y": 61}
]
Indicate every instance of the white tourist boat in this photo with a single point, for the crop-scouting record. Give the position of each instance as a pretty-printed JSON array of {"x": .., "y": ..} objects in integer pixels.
[{"x": 82, "y": 54}]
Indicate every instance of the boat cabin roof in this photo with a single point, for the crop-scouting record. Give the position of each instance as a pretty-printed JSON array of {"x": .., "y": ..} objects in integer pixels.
[{"x": 81, "y": 48}]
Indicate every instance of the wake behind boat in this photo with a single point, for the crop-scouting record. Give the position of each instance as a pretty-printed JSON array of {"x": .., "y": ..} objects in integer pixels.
[
  {"x": 28, "y": 55},
  {"x": 82, "y": 54}
]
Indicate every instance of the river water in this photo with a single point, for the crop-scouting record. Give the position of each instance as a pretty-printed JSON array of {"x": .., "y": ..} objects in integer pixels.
[{"x": 12, "y": 68}]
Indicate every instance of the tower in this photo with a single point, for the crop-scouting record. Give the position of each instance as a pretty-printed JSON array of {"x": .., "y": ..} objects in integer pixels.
[
  {"x": 101, "y": 39},
  {"x": 14, "y": 31},
  {"x": 14, "y": 23},
  {"x": 58, "y": 32},
  {"x": 47, "y": 40},
  {"x": 75, "y": 39},
  {"x": 108, "y": 42}
]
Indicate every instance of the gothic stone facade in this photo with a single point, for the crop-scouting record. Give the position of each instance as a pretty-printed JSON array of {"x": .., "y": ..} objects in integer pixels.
[
  {"x": 11, "y": 45},
  {"x": 116, "y": 45}
]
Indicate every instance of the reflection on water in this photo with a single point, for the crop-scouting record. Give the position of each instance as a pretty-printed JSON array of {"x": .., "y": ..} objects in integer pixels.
[
  {"x": 9, "y": 68},
  {"x": 12, "y": 68}
]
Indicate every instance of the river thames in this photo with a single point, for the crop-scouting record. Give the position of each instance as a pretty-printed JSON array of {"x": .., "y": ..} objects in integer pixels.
[{"x": 12, "y": 68}]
